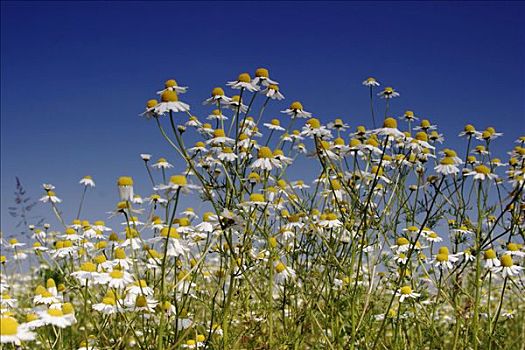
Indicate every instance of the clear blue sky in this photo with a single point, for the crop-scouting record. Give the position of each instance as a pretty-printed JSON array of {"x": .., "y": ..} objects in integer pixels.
[{"x": 74, "y": 75}]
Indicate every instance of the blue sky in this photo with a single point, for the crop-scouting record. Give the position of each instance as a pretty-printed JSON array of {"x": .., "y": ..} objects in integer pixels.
[{"x": 74, "y": 76}]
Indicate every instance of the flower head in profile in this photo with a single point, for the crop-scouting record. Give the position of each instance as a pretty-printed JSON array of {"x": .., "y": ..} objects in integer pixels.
[
  {"x": 162, "y": 163},
  {"x": 447, "y": 166},
  {"x": 273, "y": 92},
  {"x": 13, "y": 332},
  {"x": 390, "y": 128},
  {"x": 218, "y": 97},
  {"x": 296, "y": 110},
  {"x": 169, "y": 102},
  {"x": 171, "y": 85},
  {"x": 388, "y": 93},
  {"x": 283, "y": 273},
  {"x": 370, "y": 81},
  {"x": 481, "y": 172},
  {"x": 125, "y": 188},
  {"x": 87, "y": 181},
  {"x": 262, "y": 77},
  {"x": 244, "y": 81}
]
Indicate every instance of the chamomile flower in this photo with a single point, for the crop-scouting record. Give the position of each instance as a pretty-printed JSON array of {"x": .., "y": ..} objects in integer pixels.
[
  {"x": 370, "y": 82},
  {"x": 488, "y": 134},
  {"x": 275, "y": 124},
  {"x": 216, "y": 114},
  {"x": 296, "y": 110},
  {"x": 87, "y": 274},
  {"x": 329, "y": 220},
  {"x": 162, "y": 163},
  {"x": 283, "y": 273},
  {"x": 171, "y": 85},
  {"x": 313, "y": 128},
  {"x": 515, "y": 249},
  {"x": 507, "y": 267},
  {"x": 491, "y": 259},
  {"x": 243, "y": 81},
  {"x": 390, "y": 128},
  {"x": 272, "y": 92},
  {"x": 118, "y": 279},
  {"x": 425, "y": 125},
  {"x": 108, "y": 305},
  {"x": 481, "y": 172},
  {"x": 12, "y": 332},
  {"x": 176, "y": 246},
  {"x": 265, "y": 160},
  {"x": 405, "y": 293},
  {"x": 446, "y": 166},
  {"x": 468, "y": 131},
  {"x": 262, "y": 77},
  {"x": 402, "y": 245},
  {"x": 444, "y": 259},
  {"x": 219, "y": 139},
  {"x": 50, "y": 197},
  {"x": 409, "y": 116},
  {"x": 87, "y": 181},
  {"x": 170, "y": 103},
  {"x": 227, "y": 155},
  {"x": 388, "y": 93},
  {"x": 125, "y": 188},
  {"x": 235, "y": 104},
  {"x": 55, "y": 317}
]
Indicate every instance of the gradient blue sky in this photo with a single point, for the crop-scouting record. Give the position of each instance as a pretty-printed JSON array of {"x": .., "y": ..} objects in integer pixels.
[{"x": 74, "y": 76}]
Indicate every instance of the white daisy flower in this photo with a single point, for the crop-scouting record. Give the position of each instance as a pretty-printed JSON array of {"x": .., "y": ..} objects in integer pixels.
[
  {"x": 406, "y": 292},
  {"x": 296, "y": 110},
  {"x": 244, "y": 81},
  {"x": 370, "y": 82},
  {"x": 218, "y": 97},
  {"x": 50, "y": 197},
  {"x": 170, "y": 103},
  {"x": 162, "y": 163},
  {"x": 507, "y": 267},
  {"x": 446, "y": 167},
  {"x": 87, "y": 181},
  {"x": 388, "y": 92},
  {"x": 491, "y": 259},
  {"x": 262, "y": 77},
  {"x": 272, "y": 92},
  {"x": 283, "y": 273},
  {"x": 12, "y": 332},
  {"x": 171, "y": 85},
  {"x": 481, "y": 172}
]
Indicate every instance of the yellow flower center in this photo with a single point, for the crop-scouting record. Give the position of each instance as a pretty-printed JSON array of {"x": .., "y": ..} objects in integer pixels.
[
  {"x": 179, "y": 180},
  {"x": 469, "y": 129},
  {"x": 405, "y": 290},
  {"x": 490, "y": 254},
  {"x": 273, "y": 87},
  {"x": 314, "y": 123},
  {"x": 280, "y": 267},
  {"x": 120, "y": 254},
  {"x": 141, "y": 301},
  {"x": 390, "y": 123},
  {"x": 482, "y": 169},
  {"x": 109, "y": 301},
  {"x": 447, "y": 161},
  {"x": 256, "y": 197},
  {"x": 31, "y": 317},
  {"x": 442, "y": 257},
  {"x": 88, "y": 267},
  {"x": 506, "y": 261},
  {"x": 219, "y": 133},
  {"x": 402, "y": 241},
  {"x": 125, "y": 181},
  {"x": 67, "y": 308},
  {"x": 296, "y": 106},
  {"x": 169, "y": 96},
  {"x": 513, "y": 247},
  {"x": 443, "y": 250},
  {"x": 265, "y": 152},
  {"x": 170, "y": 83},
  {"x": 276, "y": 122},
  {"x": 8, "y": 326},
  {"x": 116, "y": 274},
  {"x": 425, "y": 124},
  {"x": 55, "y": 312},
  {"x": 169, "y": 232},
  {"x": 244, "y": 78},
  {"x": 422, "y": 136},
  {"x": 217, "y": 92},
  {"x": 262, "y": 73}
]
